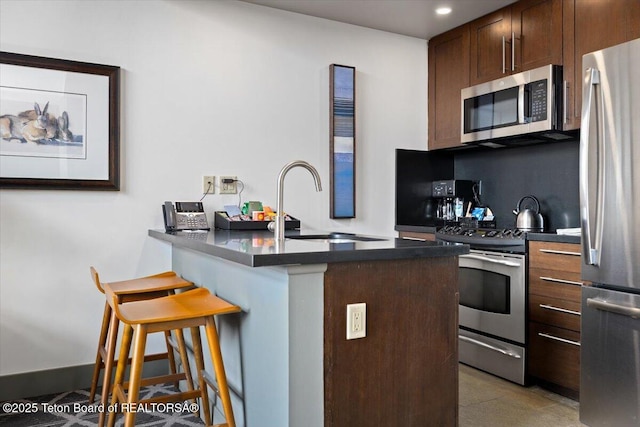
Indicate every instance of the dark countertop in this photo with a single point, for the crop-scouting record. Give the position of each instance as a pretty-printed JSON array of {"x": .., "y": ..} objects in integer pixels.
[
  {"x": 257, "y": 248},
  {"x": 553, "y": 237}
]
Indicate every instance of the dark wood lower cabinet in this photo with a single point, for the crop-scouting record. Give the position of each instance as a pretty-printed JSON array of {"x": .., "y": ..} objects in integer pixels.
[
  {"x": 554, "y": 356},
  {"x": 405, "y": 371},
  {"x": 554, "y": 316}
]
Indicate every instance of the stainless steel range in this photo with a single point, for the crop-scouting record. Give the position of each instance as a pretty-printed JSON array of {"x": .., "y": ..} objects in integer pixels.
[{"x": 492, "y": 281}]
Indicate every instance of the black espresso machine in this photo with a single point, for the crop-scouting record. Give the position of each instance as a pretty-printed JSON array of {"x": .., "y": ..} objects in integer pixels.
[{"x": 449, "y": 199}]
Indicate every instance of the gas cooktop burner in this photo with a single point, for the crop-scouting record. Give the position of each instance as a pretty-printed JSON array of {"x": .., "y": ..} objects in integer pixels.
[
  {"x": 506, "y": 233},
  {"x": 509, "y": 239}
]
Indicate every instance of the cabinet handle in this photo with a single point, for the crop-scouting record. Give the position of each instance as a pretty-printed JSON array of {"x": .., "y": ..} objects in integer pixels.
[
  {"x": 565, "y": 93},
  {"x": 551, "y": 337},
  {"x": 556, "y": 252},
  {"x": 562, "y": 310},
  {"x": 504, "y": 67},
  {"x": 513, "y": 51},
  {"x": 563, "y": 281}
]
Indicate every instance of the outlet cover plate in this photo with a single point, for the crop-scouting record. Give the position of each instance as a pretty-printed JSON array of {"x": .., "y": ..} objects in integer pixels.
[
  {"x": 208, "y": 184},
  {"x": 356, "y": 321},
  {"x": 230, "y": 188}
]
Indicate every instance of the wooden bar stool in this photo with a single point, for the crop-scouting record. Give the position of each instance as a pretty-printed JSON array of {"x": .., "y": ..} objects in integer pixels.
[
  {"x": 144, "y": 288},
  {"x": 190, "y": 309}
]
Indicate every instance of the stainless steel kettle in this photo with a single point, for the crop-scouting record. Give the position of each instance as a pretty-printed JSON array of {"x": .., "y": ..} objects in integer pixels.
[{"x": 528, "y": 219}]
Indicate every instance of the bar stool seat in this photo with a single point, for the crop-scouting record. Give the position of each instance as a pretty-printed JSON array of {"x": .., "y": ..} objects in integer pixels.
[
  {"x": 143, "y": 288},
  {"x": 190, "y": 309}
]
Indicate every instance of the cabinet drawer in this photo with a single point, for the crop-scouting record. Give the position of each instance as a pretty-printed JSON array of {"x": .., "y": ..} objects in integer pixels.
[
  {"x": 555, "y": 284},
  {"x": 554, "y": 355},
  {"x": 555, "y": 312},
  {"x": 555, "y": 256}
]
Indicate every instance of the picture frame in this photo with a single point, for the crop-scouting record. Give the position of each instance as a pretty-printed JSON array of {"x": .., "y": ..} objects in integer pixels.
[
  {"x": 342, "y": 135},
  {"x": 59, "y": 124}
]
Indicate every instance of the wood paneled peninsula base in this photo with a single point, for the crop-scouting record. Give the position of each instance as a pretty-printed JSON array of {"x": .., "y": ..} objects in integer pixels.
[{"x": 287, "y": 357}]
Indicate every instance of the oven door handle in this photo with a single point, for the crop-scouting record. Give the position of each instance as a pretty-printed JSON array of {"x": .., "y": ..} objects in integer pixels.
[
  {"x": 490, "y": 347},
  {"x": 495, "y": 261}
]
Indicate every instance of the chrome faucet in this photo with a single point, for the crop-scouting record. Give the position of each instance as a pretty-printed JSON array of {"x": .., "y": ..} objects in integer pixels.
[{"x": 278, "y": 228}]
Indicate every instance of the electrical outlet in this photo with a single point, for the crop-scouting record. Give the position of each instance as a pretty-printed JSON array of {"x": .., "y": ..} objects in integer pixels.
[
  {"x": 208, "y": 184},
  {"x": 356, "y": 321},
  {"x": 228, "y": 187}
]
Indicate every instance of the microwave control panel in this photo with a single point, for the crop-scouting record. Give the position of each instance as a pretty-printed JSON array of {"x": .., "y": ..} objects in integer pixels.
[{"x": 538, "y": 100}]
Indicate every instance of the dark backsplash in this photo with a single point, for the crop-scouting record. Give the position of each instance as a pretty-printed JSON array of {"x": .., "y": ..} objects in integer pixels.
[
  {"x": 547, "y": 171},
  {"x": 415, "y": 170}
]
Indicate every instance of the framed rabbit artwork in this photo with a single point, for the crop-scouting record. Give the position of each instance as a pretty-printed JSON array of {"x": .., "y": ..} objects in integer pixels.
[{"x": 59, "y": 124}]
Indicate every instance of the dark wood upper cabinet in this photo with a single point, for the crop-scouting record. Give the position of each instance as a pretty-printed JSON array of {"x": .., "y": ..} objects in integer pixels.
[
  {"x": 591, "y": 25},
  {"x": 537, "y": 27},
  {"x": 544, "y": 32},
  {"x": 520, "y": 37},
  {"x": 490, "y": 47},
  {"x": 448, "y": 75}
]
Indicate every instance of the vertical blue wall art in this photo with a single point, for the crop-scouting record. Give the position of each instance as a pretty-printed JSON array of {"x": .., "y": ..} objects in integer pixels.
[{"x": 342, "y": 106}]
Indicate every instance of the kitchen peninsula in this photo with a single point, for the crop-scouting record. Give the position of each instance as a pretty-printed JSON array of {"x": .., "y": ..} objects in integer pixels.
[{"x": 287, "y": 358}]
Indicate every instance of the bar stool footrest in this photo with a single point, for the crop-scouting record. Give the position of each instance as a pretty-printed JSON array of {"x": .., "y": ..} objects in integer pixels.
[
  {"x": 176, "y": 397},
  {"x": 147, "y": 357},
  {"x": 161, "y": 379}
]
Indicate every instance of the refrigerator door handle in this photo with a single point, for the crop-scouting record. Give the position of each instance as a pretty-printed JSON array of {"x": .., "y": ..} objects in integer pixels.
[
  {"x": 591, "y": 223},
  {"x": 633, "y": 312}
]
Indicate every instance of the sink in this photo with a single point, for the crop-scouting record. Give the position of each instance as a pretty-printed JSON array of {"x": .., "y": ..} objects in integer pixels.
[{"x": 335, "y": 238}]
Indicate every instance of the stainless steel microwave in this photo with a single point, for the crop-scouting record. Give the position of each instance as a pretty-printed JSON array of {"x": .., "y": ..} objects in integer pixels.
[{"x": 515, "y": 105}]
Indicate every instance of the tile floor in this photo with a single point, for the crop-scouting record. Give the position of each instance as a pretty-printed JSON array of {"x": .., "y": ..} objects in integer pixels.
[
  {"x": 71, "y": 409},
  {"x": 488, "y": 401},
  {"x": 485, "y": 401}
]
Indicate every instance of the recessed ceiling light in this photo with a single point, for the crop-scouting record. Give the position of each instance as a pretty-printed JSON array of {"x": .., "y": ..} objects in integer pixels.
[{"x": 443, "y": 10}]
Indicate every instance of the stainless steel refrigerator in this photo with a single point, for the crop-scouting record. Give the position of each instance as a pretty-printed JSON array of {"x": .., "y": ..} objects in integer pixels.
[{"x": 610, "y": 220}]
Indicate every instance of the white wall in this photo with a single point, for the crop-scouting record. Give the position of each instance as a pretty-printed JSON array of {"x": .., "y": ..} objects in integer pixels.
[{"x": 208, "y": 88}]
